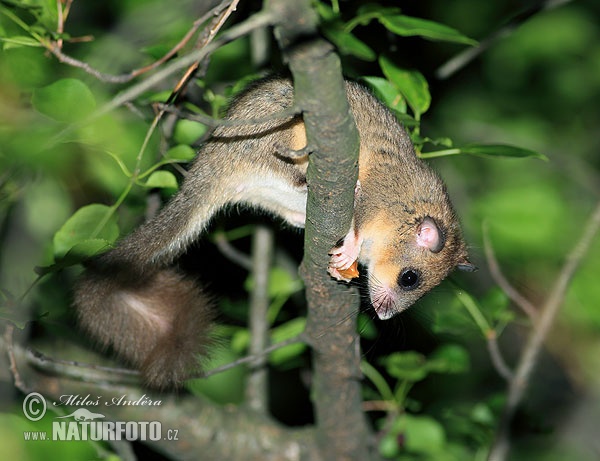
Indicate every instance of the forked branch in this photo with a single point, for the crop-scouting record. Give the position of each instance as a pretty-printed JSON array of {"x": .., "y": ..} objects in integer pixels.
[{"x": 528, "y": 359}]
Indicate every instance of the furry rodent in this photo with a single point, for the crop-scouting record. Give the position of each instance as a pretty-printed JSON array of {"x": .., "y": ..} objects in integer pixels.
[{"x": 404, "y": 230}]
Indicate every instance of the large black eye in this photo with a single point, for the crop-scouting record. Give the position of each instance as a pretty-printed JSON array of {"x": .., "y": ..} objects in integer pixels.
[{"x": 409, "y": 279}]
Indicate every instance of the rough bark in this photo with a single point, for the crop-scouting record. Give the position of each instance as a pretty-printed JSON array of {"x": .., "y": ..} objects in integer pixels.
[
  {"x": 210, "y": 431},
  {"x": 332, "y": 173},
  {"x": 204, "y": 430}
]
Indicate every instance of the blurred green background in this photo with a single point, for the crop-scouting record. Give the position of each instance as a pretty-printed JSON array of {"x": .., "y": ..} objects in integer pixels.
[{"x": 538, "y": 87}]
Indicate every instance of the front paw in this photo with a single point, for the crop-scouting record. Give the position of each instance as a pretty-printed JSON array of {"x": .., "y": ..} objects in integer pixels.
[
  {"x": 343, "y": 261},
  {"x": 344, "y": 275}
]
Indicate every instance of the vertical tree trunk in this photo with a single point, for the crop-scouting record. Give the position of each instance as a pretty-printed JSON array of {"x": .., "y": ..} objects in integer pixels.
[{"x": 332, "y": 173}]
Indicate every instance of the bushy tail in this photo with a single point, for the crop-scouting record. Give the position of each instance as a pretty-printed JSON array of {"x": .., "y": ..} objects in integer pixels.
[{"x": 159, "y": 322}]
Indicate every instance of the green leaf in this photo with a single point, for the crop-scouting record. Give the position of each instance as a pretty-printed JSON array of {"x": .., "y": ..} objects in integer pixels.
[
  {"x": 17, "y": 41},
  {"x": 423, "y": 434},
  {"x": 387, "y": 93},
  {"x": 341, "y": 36},
  {"x": 411, "y": 84},
  {"x": 96, "y": 223},
  {"x": 162, "y": 179},
  {"x": 482, "y": 414},
  {"x": 188, "y": 132},
  {"x": 283, "y": 283},
  {"x": 408, "y": 26},
  {"x": 348, "y": 44},
  {"x": 288, "y": 330},
  {"x": 374, "y": 9},
  {"x": 366, "y": 13},
  {"x": 406, "y": 120},
  {"x": 442, "y": 141},
  {"x": 156, "y": 51},
  {"x": 454, "y": 320},
  {"x": 67, "y": 100},
  {"x": 409, "y": 366},
  {"x": 366, "y": 327},
  {"x": 388, "y": 446},
  {"x": 326, "y": 12},
  {"x": 158, "y": 96},
  {"x": 500, "y": 150},
  {"x": 225, "y": 387},
  {"x": 76, "y": 255},
  {"x": 240, "y": 339},
  {"x": 85, "y": 250},
  {"x": 449, "y": 358},
  {"x": 496, "y": 305},
  {"x": 181, "y": 152},
  {"x": 284, "y": 332}
]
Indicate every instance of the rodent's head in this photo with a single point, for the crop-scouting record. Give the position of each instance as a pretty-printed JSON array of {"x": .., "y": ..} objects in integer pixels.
[{"x": 411, "y": 260}]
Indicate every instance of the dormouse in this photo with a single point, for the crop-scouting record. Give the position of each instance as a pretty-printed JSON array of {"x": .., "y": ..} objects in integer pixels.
[{"x": 404, "y": 230}]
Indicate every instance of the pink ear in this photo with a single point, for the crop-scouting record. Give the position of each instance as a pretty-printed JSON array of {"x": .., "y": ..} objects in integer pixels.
[{"x": 429, "y": 236}]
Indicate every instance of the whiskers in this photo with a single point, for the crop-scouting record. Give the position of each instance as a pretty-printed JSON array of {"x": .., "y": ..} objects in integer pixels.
[
  {"x": 364, "y": 299},
  {"x": 382, "y": 298}
]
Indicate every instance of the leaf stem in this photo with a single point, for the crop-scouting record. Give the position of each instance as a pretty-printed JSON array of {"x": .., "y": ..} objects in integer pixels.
[
  {"x": 440, "y": 153},
  {"x": 378, "y": 381},
  {"x": 473, "y": 308}
]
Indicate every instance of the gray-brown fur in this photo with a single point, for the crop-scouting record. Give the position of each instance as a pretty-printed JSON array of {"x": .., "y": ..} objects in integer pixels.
[
  {"x": 132, "y": 301},
  {"x": 400, "y": 190}
]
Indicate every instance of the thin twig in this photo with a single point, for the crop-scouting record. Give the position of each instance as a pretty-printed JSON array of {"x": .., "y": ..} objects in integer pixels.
[
  {"x": 252, "y": 358},
  {"x": 528, "y": 359},
  {"x": 190, "y": 33},
  {"x": 232, "y": 253},
  {"x": 9, "y": 340},
  {"x": 287, "y": 113},
  {"x": 496, "y": 356},
  {"x": 213, "y": 30},
  {"x": 260, "y": 19},
  {"x": 91, "y": 372},
  {"x": 262, "y": 253},
  {"x": 203, "y": 41},
  {"x": 80, "y": 370},
  {"x": 60, "y": 26},
  {"x": 378, "y": 405},
  {"x": 56, "y": 49},
  {"x": 62, "y": 15},
  {"x": 140, "y": 155},
  {"x": 183, "y": 81},
  {"x": 523, "y": 303},
  {"x": 464, "y": 58}
]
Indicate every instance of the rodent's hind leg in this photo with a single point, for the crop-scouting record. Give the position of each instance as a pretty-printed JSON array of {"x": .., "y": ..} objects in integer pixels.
[{"x": 277, "y": 195}]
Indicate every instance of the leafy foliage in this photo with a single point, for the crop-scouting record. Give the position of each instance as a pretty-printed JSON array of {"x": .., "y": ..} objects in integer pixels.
[{"x": 73, "y": 181}]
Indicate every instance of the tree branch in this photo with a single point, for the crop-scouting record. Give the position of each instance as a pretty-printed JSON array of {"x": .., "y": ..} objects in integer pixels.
[
  {"x": 232, "y": 253},
  {"x": 331, "y": 177},
  {"x": 519, "y": 383},
  {"x": 258, "y": 20},
  {"x": 262, "y": 252},
  {"x": 464, "y": 58},
  {"x": 204, "y": 430},
  {"x": 501, "y": 280},
  {"x": 55, "y": 47}
]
